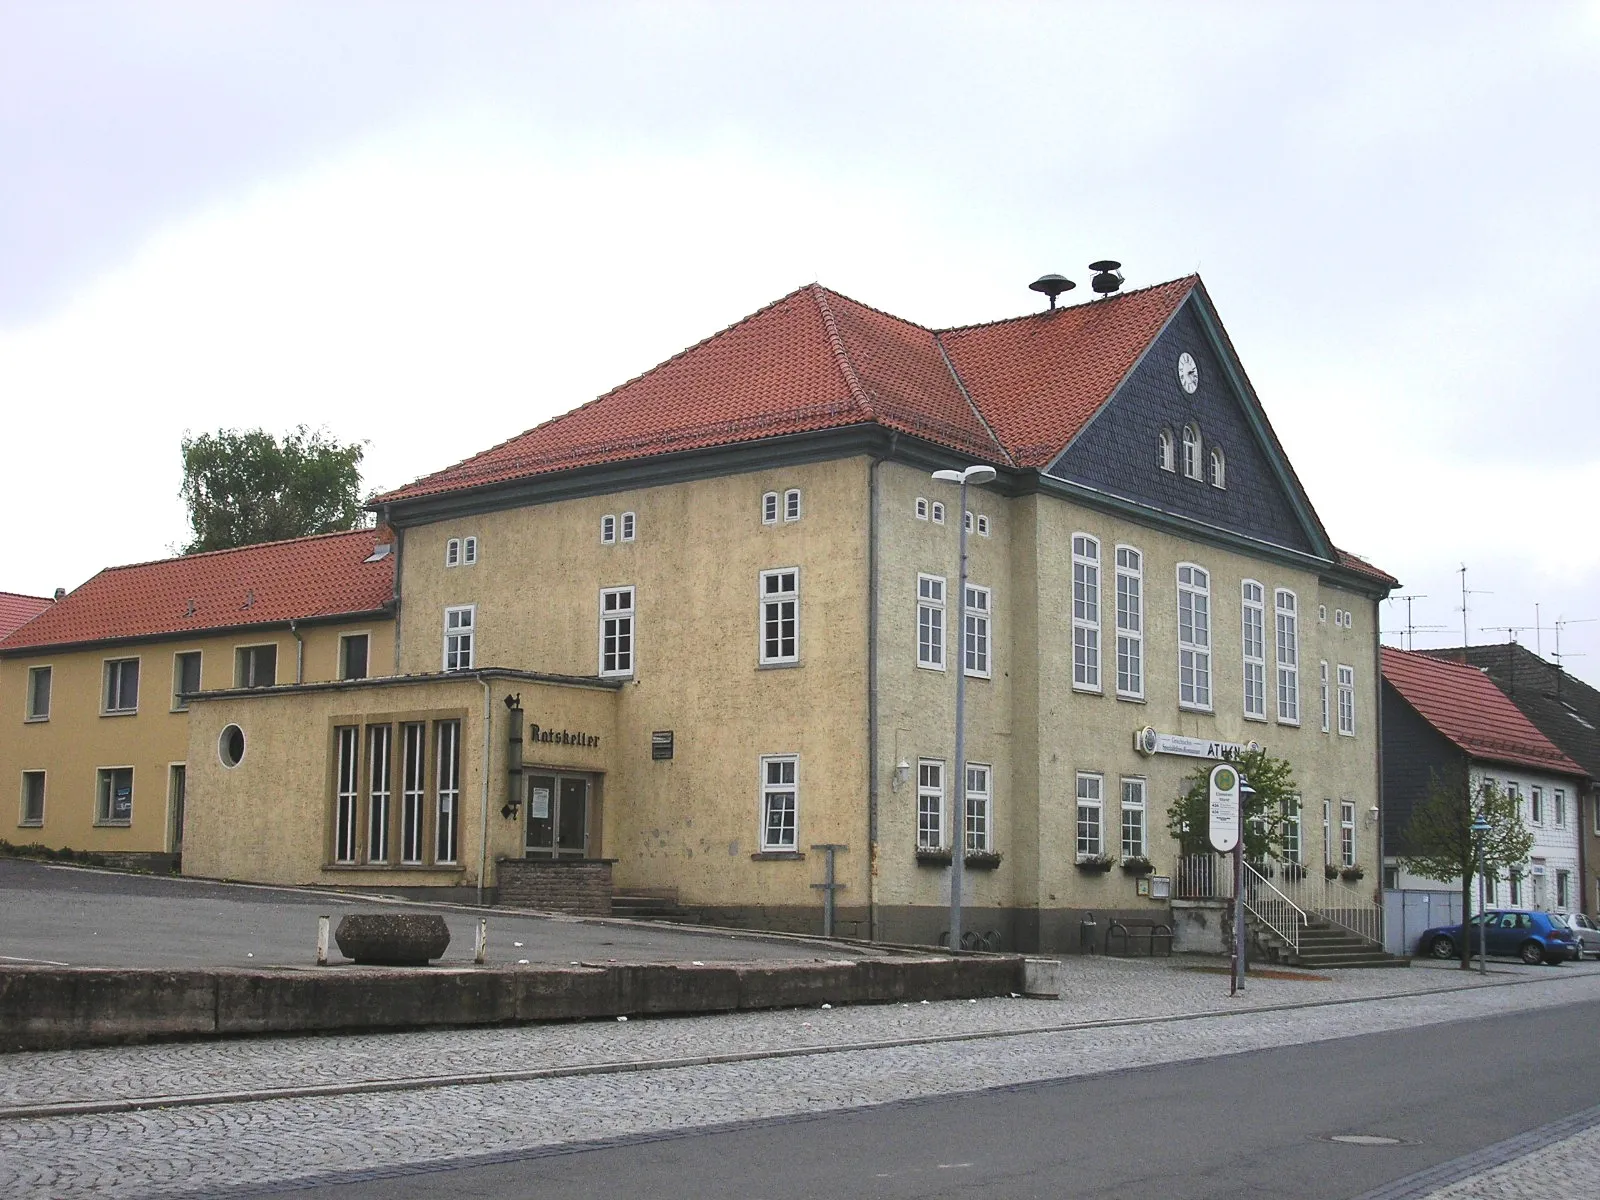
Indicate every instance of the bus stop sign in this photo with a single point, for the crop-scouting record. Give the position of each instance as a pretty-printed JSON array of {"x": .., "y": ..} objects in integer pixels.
[{"x": 1223, "y": 829}]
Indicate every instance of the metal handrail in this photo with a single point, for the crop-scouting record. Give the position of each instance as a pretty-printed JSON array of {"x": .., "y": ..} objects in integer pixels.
[
  {"x": 1272, "y": 908},
  {"x": 1341, "y": 905}
]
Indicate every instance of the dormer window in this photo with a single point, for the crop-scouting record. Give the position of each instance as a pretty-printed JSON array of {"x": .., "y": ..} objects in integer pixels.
[
  {"x": 1218, "y": 477},
  {"x": 1191, "y": 452},
  {"x": 1166, "y": 457}
]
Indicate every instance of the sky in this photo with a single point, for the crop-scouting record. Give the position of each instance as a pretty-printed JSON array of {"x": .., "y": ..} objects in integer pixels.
[{"x": 432, "y": 226}]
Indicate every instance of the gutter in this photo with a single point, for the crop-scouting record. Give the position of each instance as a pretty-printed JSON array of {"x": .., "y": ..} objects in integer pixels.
[
  {"x": 872, "y": 692},
  {"x": 299, "y": 652},
  {"x": 483, "y": 813}
]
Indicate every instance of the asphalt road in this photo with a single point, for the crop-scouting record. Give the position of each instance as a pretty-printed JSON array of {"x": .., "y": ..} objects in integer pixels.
[
  {"x": 1253, "y": 1124},
  {"x": 82, "y": 918}
]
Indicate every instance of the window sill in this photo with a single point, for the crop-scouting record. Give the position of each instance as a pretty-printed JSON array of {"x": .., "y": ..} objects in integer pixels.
[
  {"x": 779, "y": 666},
  {"x": 1262, "y": 720},
  {"x": 36, "y": 720},
  {"x": 1295, "y": 724},
  {"x": 114, "y": 824},
  {"x": 922, "y": 666},
  {"x": 1130, "y": 698},
  {"x": 407, "y": 868},
  {"x": 1084, "y": 689},
  {"x": 980, "y": 675},
  {"x": 1195, "y": 708},
  {"x": 119, "y": 712},
  {"x": 39, "y": 824},
  {"x": 778, "y": 856}
]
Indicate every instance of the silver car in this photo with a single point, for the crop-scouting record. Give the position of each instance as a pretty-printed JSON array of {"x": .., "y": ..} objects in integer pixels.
[{"x": 1588, "y": 935}]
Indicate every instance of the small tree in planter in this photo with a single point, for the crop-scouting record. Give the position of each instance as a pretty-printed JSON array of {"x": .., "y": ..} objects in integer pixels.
[{"x": 1264, "y": 812}]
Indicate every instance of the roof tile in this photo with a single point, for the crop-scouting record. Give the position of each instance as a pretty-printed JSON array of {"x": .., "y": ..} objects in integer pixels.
[{"x": 17, "y": 610}]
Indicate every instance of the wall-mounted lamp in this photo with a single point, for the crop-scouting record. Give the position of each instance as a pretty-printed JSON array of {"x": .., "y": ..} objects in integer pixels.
[
  {"x": 1372, "y": 815},
  {"x": 902, "y": 774}
]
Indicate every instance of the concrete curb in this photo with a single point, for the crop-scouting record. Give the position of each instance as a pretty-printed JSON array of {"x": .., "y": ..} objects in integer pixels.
[{"x": 50, "y": 1008}]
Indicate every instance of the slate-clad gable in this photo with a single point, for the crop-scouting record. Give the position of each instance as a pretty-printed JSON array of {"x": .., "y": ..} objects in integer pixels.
[{"x": 1117, "y": 451}]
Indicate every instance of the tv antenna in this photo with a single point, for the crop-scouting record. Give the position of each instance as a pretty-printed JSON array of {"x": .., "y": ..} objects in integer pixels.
[
  {"x": 1411, "y": 626},
  {"x": 1466, "y": 639}
]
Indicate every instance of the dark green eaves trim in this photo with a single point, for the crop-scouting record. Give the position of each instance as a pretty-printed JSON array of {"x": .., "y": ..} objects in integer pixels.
[{"x": 380, "y": 681}]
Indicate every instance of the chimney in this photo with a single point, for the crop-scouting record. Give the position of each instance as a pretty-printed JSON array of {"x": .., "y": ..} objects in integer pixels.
[{"x": 60, "y": 595}]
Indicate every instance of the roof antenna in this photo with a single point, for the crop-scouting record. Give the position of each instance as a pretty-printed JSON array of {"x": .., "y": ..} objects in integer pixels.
[
  {"x": 1052, "y": 286},
  {"x": 1108, "y": 278}
]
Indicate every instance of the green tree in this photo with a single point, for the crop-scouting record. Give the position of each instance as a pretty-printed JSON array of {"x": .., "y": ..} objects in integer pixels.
[
  {"x": 1438, "y": 842},
  {"x": 1264, "y": 812},
  {"x": 246, "y": 486}
]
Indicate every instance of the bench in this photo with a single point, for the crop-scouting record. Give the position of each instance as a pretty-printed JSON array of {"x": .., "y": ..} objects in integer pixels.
[{"x": 1132, "y": 931}]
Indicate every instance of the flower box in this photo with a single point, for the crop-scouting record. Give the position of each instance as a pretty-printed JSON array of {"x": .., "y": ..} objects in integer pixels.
[
  {"x": 1330, "y": 871},
  {"x": 1138, "y": 864},
  {"x": 1351, "y": 874},
  {"x": 1095, "y": 862},
  {"x": 977, "y": 860}
]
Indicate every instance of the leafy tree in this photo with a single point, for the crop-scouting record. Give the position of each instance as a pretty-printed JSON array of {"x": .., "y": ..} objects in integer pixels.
[
  {"x": 1438, "y": 842},
  {"x": 243, "y": 487},
  {"x": 1264, "y": 812}
]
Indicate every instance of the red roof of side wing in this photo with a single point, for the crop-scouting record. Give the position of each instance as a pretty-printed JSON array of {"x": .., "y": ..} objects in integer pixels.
[
  {"x": 271, "y": 583},
  {"x": 17, "y": 610},
  {"x": 1462, "y": 703}
]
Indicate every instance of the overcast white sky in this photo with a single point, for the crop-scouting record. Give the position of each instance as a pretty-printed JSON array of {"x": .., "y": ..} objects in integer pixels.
[{"x": 434, "y": 225}]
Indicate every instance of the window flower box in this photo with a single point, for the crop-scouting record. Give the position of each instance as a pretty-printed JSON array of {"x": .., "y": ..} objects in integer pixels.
[
  {"x": 1138, "y": 864},
  {"x": 1095, "y": 862},
  {"x": 1330, "y": 871},
  {"x": 977, "y": 860},
  {"x": 1351, "y": 874}
]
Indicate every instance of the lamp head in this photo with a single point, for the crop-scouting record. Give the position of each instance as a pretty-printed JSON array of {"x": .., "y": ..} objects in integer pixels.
[
  {"x": 947, "y": 476},
  {"x": 978, "y": 474}
]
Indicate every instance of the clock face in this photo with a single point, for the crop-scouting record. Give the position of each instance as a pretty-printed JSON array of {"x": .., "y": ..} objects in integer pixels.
[{"x": 1188, "y": 372}]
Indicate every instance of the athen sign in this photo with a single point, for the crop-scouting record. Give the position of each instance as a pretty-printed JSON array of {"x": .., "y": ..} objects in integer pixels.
[{"x": 1148, "y": 741}]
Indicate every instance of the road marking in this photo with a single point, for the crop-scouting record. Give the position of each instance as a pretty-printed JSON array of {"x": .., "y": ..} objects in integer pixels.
[{"x": 38, "y": 962}]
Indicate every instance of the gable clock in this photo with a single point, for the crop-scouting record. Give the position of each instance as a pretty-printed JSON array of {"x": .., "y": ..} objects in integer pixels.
[{"x": 1188, "y": 372}]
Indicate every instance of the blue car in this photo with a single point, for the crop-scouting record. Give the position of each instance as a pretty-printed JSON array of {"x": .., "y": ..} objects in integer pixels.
[{"x": 1534, "y": 937}]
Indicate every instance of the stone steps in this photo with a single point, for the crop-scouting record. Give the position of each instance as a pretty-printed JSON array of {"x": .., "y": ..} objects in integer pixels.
[{"x": 1323, "y": 945}]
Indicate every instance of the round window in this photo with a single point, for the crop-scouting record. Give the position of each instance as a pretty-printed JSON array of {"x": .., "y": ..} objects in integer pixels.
[{"x": 230, "y": 746}]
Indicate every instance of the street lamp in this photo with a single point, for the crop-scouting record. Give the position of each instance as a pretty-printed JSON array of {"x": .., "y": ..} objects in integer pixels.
[
  {"x": 977, "y": 473},
  {"x": 1480, "y": 829}
]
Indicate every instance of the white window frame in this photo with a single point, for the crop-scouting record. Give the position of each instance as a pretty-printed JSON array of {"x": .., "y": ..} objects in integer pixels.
[
  {"x": 1192, "y": 448},
  {"x": 1293, "y": 831},
  {"x": 608, "y": 529},
  {"x": 452, "y": 552},
  {"x": 1130, "y": 623},
  {"x": 1327, "y": 831},
  {"x": 968, "y": 520},
  {"x": 413, "y": 791},
  {"x": 24, "y": 821},
  {"x": 930, "y": 804},
  {"x": 1166, "y": 451},
  {"x": 114, "y": 666},
  {"x": 1217, "y": 469},
  {"x": 769, "y": 601},
  {"x": 1558, "y": 807},
  {"x": 469, "y": 551},
  {"x": 461, "y": 632},
  {"x": 447, "y": 792},
  {"x": 1090, "y": 793},
  {"x": 29, "y": 713},
  {"x": 347, "y": 795},
  {"x": 1347, "y": 833},
  {"x": 976, "y": 644},
  {"x": 103, "y": 796},
  {"x": 1287, "y": 627},
  {"x": 983, "y": 525},
  {"x": 1134, "y": 800},
  {"x": 629, "y": 527},
  {"x": 769, "y": 508},
  {"x": 979, "y": 813},
  {"x": 1253, "y": 647},
  {"x": 1536, "y": 804},
  {"x": 618, "y": 624},
  {"x": 1347, "y": 701},
  {"x": 931, "y": 591},
  {"x": 1085, "y": 613},
  {"x": 779, "y": 790},
  {"x": 380, "y": 790},
  {"x": 791, "y": 505},
  {"x": 1327, "y": 706},
  {"x": 1194, "y": 652},
  {"x": 921, "y": 509},
  {"x": 936, "y": 513}
]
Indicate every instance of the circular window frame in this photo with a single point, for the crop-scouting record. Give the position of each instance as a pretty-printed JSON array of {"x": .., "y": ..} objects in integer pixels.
[{"x": 223, "y": 739}]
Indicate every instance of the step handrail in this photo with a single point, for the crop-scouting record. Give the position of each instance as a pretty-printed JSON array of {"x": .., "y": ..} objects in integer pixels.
[{"x": 1274, "y": 910}]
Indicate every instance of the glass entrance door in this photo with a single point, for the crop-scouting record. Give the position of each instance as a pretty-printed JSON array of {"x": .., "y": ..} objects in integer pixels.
[{"x": 558, "y": 815}]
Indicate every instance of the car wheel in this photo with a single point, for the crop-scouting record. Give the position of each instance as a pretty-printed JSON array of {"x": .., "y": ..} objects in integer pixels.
[
  {"x": 1442, "y": 947},
  {"x": 1532, "y": 953}
]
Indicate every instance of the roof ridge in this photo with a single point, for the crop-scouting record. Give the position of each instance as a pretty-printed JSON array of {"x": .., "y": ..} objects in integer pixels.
[
  {"x": 25, "y": 596},
  {"x": 307, "y": 537},
  {"x": 841, "y": 354},
  {"x": 961, "y": 386},
  {"x": 1190, "y": 279}
]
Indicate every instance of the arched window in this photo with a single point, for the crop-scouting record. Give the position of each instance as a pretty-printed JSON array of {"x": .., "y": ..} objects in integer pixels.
[
  {"x": 1219, "y": 469},
  {"x": 1191, "y": 452},
  {"x": 1165, "y": 455}
]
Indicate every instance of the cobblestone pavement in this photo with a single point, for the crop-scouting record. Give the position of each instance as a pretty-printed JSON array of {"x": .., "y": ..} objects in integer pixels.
[{"x": 204, "y": 1148}]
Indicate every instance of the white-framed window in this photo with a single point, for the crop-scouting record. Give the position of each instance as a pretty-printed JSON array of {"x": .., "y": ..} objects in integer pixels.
[
  {"x": 39, "y": 679},
  {"x": 113, "y": 796},
  {"x": 780, "y": 802},
  {"x": 980, "y": 815},
  {"x": 630, "y": 526},
  {"x": 608, "y": 529},
  {"x": 1133, "y": 823},
  {"x": 32, "y": 811},
  {"x": 1563, "y": 890},
  {"x": 447, "y": 792},
  {"x": 1090, "y": 793},
  {"x": 1536, "y": 804},
  {"x": 975, "y": 645},
  {"x": 347, "y": 796},
  {"x": 983, "y": 525},
  {"x": 1217, "y": 476},
  {"x": 1347, "y": 833},
  {"x": 469, "y": 551},
  {"x": 937, "y": 512},
  {"x": 185, "y": 678},
  {"x": 930, "y": 622},
  {"x": 1291, "y": 829},
  {"x": 930, "y": 804},
  {"x": 1253, "y": 625},
  {"x": 769, "y": 508},
  {"x": 1327, "y": 831},
  {"x": 922, "y": 508},
  {"x": 780, "y": 615},
  {"x": 1326, "y": 707},
  {"x": 1191, "y": 451},
  {"x": 380, "y": 790},
  {"x": 1558, "y": 805},
  {"x": 968, "y": 520},
  {"x": 459, "y": 624},
  {"x": 1130, "y": 623},
  {"x": 1085, "y": 612},
  {"x": 452, "y": 558},
  {"x": 1194, "y": 637},
  {"x": 121, "y": 694},
  {"x": 791, "y": 505},
  {"x": 413, "y": 789},
  {"x": 1322, "y": 612},
  {"x": 255, "y": 666},
  {"x": 1288, "y": 658},
  {"x": 616, "y": 631},
  {"x": 1166, "y": 454},
  {"x": 1347, "y": 700}
]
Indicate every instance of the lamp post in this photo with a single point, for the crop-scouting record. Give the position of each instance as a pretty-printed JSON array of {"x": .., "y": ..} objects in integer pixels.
[
  {"x": 1480, "y": 830},
  {"x": 976, "y": 473}
]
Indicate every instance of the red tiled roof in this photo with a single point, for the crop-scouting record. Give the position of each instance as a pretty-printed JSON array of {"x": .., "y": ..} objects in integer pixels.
[
  {"x": 17, "y": 610},
  {"x": 1462, "y": 703},
  {"x": 1362, "y": 567},
  {"x": 270, "y": 583}
]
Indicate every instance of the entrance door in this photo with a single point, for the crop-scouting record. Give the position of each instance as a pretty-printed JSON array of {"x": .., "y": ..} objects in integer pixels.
[
  {"x": 558, "y": 815},
  {"x": 176, "y": 783}
]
